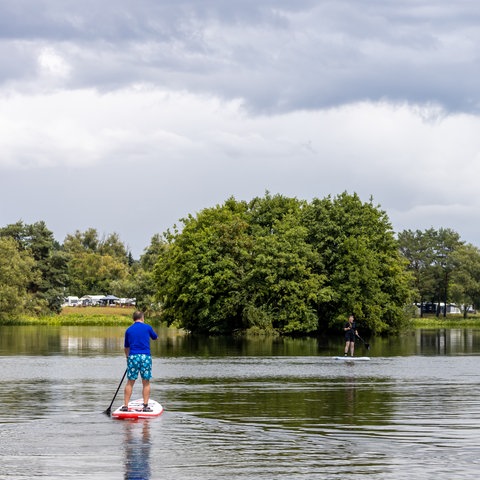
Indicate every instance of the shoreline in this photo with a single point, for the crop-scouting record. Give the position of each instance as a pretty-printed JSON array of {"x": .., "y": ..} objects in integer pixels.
[{"x": 118, "y": 316}]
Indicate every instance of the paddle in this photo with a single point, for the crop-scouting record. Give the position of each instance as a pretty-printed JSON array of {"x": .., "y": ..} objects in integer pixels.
[
  {"x": 108, "y": 411},
  {"x": 367, "y": 345}
]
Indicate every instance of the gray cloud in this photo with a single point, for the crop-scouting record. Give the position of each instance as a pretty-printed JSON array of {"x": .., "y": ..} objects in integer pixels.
[{"x": 276, "y": 56}]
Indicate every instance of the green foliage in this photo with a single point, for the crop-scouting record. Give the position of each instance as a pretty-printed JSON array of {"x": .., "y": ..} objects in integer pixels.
[
  {"x": 281, "y": 264},
  {"x": 465, "y": 287},
  {"x": 81, "y": 242},
  {"x": 79, "y": 319},
  {"x": 274, "y": 264},
  {"x": 112, "y": 246},
  {"x": 239, "y": 267},
  {"x": 442, "y": 323},
  {"x": 96, "y": 266},
  {"x": 439, "y": 262},
  {"x": 143, "y": 276},
  {"x": 201, "y": 273},
  {"x": 284, "y": 280},
  {"x": 447, "y": 242},
  {"x": 417, "y": 248},
  {"x": 152, "y": 253},
  {"x": 365, "y": 272},
  {"x": 50, "y": 264},
  {"x": 93, "y": 272},
  {"x": 16, "y": 273}
]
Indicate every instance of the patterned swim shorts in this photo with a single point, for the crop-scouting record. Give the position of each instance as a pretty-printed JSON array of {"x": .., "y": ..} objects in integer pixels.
[{"x": 139, "y": 363}]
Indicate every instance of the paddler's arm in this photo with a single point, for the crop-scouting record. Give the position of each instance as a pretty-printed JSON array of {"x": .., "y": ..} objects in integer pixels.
[{"x": 127, "y": 351}]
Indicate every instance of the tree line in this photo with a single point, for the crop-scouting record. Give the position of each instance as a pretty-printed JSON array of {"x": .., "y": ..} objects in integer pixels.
[
  {"x": 444, "y": 268},
  {"x": 37, "y": 272},
  {"x": 272, "y": 264}
]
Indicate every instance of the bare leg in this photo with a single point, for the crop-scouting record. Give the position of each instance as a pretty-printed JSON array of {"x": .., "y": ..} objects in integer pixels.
[
  {"x": 146, "y": 391},
  {"x": 347, "y": 346},
  {"x": 127, "y": 393},
  {"x": 352, "y": 348}
]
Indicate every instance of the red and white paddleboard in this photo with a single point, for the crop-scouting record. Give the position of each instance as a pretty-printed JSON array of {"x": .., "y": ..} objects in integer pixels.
[{"x": 135, "y": 410}]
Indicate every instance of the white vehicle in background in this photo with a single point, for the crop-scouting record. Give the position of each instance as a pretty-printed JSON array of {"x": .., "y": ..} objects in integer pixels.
[{"x": 71, "y": 301}]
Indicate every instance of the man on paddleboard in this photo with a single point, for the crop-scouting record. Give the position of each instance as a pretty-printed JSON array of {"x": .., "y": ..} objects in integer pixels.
[
  {"x": 139, "y": 359},
  {"x": 350, "y": 329}
]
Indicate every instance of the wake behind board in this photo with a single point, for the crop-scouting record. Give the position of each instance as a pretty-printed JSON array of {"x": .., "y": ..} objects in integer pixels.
[
  {"x": 135, "y": 410},
  {"x": 352, "y": 359}
]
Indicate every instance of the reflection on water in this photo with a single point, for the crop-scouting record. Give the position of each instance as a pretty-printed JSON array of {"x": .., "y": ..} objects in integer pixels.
[
  {"x": 234, "y": 412},
  {"x": 446, "y": 341},
  {"x": 137, "y": 449},
  {"x": 71, "y": 340}
]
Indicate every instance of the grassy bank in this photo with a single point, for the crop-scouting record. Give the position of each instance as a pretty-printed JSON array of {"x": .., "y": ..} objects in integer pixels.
[
  {"x": 88, "y": 316},
  {"x": 448, "y": 322}
]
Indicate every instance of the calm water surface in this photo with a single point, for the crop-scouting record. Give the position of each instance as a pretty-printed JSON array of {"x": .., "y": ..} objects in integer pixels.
[{"x": 259, "y": 409}]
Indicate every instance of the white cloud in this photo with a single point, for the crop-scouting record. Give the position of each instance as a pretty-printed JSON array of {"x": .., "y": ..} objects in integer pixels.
[
  {"x": 52, "y": 64},
  {"x": 381, "y": 145}
]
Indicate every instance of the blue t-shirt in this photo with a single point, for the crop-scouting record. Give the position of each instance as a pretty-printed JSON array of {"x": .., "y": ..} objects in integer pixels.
[{"x": 137, "y": 338}]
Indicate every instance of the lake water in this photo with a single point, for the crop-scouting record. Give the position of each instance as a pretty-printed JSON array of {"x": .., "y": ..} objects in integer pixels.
[{"x": 237, "y": 409}]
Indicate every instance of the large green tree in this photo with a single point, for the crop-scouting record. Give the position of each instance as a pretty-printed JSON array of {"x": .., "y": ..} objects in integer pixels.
[
  {"x": 285, "y": 283},
  {"x": 50, "y": 263},
  {"x": 365, "y": 272},
  {"x": 445, "y": 262},
  {"x": 465, "y": 287},
  {"x": 16, "y": 274},
  {"x": 418, "y": 249},
  {"x": 277, "y": 263},
  {"x": 433, "y": 258},
  {"x": 200, "y": 276},
  {"x": 142, "y": 275}
]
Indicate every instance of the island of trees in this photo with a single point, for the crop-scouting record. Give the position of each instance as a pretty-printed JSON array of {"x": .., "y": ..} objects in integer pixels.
[{"x": 273, "y": 264}]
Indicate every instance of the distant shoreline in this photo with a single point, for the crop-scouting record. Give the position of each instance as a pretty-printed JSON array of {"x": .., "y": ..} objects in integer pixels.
[{"x": 122, "y": 316}]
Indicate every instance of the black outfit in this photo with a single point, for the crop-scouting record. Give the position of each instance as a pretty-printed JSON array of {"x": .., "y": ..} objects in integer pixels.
[{"x": 350, "y": 334}]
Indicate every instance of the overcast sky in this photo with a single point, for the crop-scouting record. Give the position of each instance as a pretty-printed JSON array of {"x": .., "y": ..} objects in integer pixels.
[{"x": 125, "y": 116}]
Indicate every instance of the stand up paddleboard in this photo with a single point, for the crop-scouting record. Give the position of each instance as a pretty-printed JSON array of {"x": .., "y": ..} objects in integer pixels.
[
  {"x": 135, "y": 410},
  {"x": 352, "y": 359}
]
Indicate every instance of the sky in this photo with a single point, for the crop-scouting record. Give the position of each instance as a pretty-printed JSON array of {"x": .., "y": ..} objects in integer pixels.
[{"x": 126, "y": 116}]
